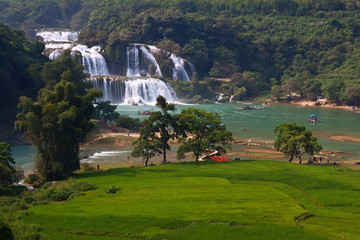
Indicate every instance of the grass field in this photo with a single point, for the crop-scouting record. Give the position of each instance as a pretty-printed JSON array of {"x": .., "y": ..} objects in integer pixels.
[{"x": 233, "y": 200}]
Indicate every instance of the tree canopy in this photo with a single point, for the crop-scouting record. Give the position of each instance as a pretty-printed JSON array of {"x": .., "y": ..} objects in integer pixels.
[
  {"x": 257, "y": 44},
  {"x": 294, "y": 140},
  {"x": 58, "y": 122},
  {"x": 203, "y": 132},
  {"x": 105, "y": 111}
]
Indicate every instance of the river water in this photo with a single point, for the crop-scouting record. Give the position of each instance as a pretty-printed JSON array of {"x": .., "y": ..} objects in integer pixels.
[{"x": 335, "y": 126}]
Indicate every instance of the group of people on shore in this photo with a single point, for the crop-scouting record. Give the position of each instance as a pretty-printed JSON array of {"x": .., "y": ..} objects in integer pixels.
[{"x": 318, "y": 160}]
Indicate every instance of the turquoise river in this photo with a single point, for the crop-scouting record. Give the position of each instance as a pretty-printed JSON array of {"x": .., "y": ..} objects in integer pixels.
[{"x": 338, "y": 130}]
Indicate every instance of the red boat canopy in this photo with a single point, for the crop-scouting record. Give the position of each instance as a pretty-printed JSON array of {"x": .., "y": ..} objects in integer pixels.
[{"x": 219, "y": 158}]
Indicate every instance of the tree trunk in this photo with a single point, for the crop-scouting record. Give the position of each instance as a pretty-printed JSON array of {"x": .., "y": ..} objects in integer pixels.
[
  {"x": 300, "y": 160},
  {"x": 146, "y": 162},
  {"x": 291, "y": 157},
  {"x": 164, "y": 155}
]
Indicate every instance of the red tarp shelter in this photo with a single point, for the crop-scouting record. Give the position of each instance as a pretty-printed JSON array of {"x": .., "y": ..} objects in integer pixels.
[{"x": 219, "y": 158}]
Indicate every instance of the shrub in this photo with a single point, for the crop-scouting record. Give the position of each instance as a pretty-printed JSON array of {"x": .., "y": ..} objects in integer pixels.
[
  {"x": 5, "y": 232},
  {"x": 112, "y": 190},
  {"x": 57, "y": 194},
  {"x": 74, "y": 185},
  {"x": 35, "y": 179},
  {"x": 86, "y": 167},
  {"x": 46, "y": 185},
  {"x": 128, "y": 122},
  {"x": 23, "y": 231}
]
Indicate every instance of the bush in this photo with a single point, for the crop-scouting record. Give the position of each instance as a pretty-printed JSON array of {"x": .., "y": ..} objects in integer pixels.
[
  {"x": 84, "y": 186},
  {"x": 46, "y": 185},
  {"x": 112, "y": 190},
  {"x": 23, "y": 231},
  {"x": 128, "y": 122},
  {"x": 57, "y": 194},
  {"x": 35, "y": 179},
  {"x": 5, "y": 232},
  {"x": 86, "y": 167}
]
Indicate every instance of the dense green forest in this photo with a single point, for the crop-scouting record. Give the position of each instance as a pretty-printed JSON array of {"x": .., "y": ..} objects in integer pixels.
[
  {"x": 310, "y": 47},
  {"x": 20, "y": 65}
]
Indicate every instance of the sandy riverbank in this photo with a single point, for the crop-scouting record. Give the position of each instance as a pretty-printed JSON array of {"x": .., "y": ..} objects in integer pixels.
[{"x": 323, "y": 104}]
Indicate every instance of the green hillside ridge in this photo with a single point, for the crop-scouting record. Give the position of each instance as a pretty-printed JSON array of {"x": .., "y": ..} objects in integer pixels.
[
  {"x": 271, "y": 46},
  {"x": 234, "y": 200}
]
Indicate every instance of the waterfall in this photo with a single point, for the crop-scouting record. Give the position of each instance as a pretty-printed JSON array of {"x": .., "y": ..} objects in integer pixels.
[
  {"x": 113, "y": 89},
  {"x": 150, "y": 60},
  {"x": 145, "y": 91},
  {"x": 140, "y": 61},
  {"x": 58, "y": 36},
  {"x": 179, "y": 72},
  {"x": 94, "y": 63},
  {"x": 134, "y": 92},
  {"x": 132, "y": 54}
]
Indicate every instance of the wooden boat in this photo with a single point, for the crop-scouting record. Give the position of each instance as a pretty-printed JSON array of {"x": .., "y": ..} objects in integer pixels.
[
  {"x": 313, "y": 118},
  {"x": 146, "y": 111}
]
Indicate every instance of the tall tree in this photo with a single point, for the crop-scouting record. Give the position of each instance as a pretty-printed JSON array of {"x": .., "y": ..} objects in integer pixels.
[
  {"x": 164, "y": 123},
  {"x": 148, "y": 145},
  {"x": 57, "y": 123},
  {"x": 203, "y": 131},
  {"x": 158, "y": 130},
  {"x": 294, "y": 140}
]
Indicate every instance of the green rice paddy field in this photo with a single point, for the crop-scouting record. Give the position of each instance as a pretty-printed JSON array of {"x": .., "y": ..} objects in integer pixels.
[{"x": 193, "y": 201}]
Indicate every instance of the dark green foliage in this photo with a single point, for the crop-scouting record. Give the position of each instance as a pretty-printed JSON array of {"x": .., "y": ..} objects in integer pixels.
[
  {"x": 45, "y": 12},
  {"x": 294, "y": 140},
  {"x": 203, "y": 132},
  {"x": 5, "y": 231},
  {"x": 291, "y": 41},
  {"x": 8, "y": 173},
  {"x": 105, "y": 111},
  {"x": 60, "y": 118},
  {"x": 128, "y": 122},
  {"x": 35, "y": 179},
  {"x": 157, "y": 131},
  {"x": 17, "y": 57}
]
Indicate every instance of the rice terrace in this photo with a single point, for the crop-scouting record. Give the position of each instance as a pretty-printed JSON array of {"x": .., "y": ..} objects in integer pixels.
[{"x": 206, "y": 200}]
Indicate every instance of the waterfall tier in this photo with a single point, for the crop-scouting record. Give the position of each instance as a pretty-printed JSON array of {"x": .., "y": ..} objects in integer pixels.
[
  {"x": 133, "y": 92},
  {"x": 179, "y": 72},
  {"x": 94, "y": 63},
  {"x": 48, "y": 36},
  {"x": 140, "y": 61}
]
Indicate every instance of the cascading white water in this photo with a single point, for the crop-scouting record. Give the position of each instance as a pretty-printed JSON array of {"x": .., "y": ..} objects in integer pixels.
[
  {"x": 113, "y": 89},
  {"x": 58, "y": 36},
  {"x": 179, "y": 72},
  {"x": 151, "y": 59},
  {"x": 132, "y": 54},
  {"x": 145, "y": 91},
  {"x": 94, "y": 63},
  {"x": 140, "y": 61},
  {"x": 133, "y": 92}
]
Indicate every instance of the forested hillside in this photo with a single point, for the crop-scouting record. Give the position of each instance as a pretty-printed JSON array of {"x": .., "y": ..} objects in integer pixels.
[
  {"x": 306, "y": 46},
  {"x": 20, "y": 63}
]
